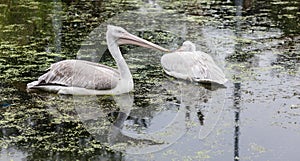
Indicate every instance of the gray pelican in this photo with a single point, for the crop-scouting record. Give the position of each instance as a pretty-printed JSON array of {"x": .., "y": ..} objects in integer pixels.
[
  {"x": 81, "y": 77},
  {"x": 189, "y": 64}
]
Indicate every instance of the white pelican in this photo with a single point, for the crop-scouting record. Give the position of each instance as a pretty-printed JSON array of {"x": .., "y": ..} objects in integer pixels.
[
  {"x": 189, "y": 64},
  {"x": 81, "y": 77}
]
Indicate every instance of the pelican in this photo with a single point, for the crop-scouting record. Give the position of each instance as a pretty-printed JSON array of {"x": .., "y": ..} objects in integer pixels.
[
  {"x": 79, "y": 77},
  {"x": 189, "y": 64}
]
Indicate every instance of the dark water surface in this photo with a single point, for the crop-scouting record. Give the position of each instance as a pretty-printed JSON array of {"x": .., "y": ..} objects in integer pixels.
[{"x": 256, "y": 117}]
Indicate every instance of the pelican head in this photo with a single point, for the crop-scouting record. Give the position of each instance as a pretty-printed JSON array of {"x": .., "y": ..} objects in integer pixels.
[
  {"x": 121, "y": 36},
  {"x": 187, "y": 46}
]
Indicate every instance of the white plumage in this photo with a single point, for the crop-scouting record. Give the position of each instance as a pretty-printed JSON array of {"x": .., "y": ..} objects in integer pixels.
[{"x": 189, "y": 64}]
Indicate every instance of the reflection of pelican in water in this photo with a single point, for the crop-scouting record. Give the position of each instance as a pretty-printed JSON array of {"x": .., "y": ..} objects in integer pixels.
[
  {"x": 116, "y": 136},
  {"x": 83, "y": 77},
  {"x": 201, "y": 103},
  {"x": 189, "y": 64}
]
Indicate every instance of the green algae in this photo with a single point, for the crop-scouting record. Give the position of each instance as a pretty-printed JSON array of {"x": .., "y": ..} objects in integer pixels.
[
  {"x": 36, "y": 128},
  {"x": 30, "y": 122},
  {"x": 45, "y": 125}
]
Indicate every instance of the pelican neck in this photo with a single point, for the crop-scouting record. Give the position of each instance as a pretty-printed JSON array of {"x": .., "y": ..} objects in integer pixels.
[{"x": 114, "y": 49}]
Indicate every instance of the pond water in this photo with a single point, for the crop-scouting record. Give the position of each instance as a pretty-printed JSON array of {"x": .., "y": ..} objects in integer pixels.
[{"x": 255, "y": 117}]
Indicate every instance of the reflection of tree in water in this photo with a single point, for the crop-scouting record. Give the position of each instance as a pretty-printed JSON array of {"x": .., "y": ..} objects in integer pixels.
[
  {"x": 260, "y": 16},
  {"x": 82, "y": 17},
  {"x": 283, "y": 15},
  {"x": 290, "y": 56},
  {"x": 29, "y": 32}
]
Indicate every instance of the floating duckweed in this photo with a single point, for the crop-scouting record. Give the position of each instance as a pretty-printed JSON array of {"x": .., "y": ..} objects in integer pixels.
[
  {"x": 290, "y": 8},
  {"x": 257, "y": 148},
  {"x": 279, "y": 2},
  {"x": 289, "y": 16},
  {"x": 46, "y": 125},
  {"x": 3, "y": 5}
]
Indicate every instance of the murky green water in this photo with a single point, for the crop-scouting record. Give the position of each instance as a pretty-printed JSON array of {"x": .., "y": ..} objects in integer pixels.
[{"x": 256, "y": 117}]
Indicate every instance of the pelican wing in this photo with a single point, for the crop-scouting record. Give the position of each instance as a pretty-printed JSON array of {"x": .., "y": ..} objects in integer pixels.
[
  {"x": 80, "y": 73},
  {"x": 195, "y": 66},
  {"x": 184, "y": 65},
  {"x": 214, "y": 73}
]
